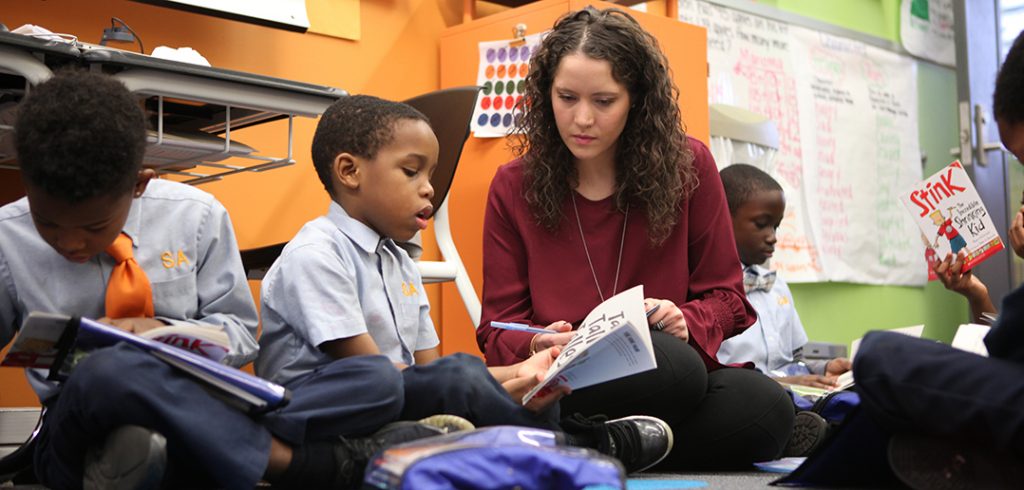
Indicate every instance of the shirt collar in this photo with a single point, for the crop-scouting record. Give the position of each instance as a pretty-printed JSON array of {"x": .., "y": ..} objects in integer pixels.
[
  {"x": 134, "y": 222},
  {"x": 355, "y": 230}
]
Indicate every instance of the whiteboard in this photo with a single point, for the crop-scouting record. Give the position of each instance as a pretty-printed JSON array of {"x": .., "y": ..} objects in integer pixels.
[{"x": 847, "y": 118}]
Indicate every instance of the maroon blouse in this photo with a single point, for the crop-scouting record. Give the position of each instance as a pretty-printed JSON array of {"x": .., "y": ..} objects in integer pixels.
[{"x": 534, "y": 276}]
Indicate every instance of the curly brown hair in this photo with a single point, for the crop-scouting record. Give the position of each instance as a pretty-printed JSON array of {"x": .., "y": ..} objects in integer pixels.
[{"x": 654, "y": 166}]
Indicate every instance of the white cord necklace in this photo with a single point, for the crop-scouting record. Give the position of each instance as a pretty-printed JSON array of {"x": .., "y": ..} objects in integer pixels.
[{"x": 622, "y": 243}]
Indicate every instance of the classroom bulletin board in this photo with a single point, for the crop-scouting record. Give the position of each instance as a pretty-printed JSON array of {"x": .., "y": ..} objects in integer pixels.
[{"x": 849, "y": 144}]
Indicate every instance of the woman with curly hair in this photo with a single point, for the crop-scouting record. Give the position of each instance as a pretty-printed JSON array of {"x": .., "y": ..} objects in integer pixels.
[{"x": 607, "y": 193}]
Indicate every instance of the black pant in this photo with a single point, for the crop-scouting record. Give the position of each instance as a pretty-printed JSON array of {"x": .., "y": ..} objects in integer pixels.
[
  {"x": 918, "y": 385},
  {"x": 725, "y": 419}
]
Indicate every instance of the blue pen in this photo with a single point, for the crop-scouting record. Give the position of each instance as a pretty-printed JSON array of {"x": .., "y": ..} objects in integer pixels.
[
  {"x": 520, "y": 327},
  {"x": 652, "y": 310}
]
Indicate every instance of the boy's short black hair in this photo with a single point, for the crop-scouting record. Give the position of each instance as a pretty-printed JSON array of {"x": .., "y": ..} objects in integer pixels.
[
  {"x": 80, "y": 135},
  {"x": 741, "y": 181},
  {"x": 1008, "y": 98},
  {"x": 360, "y": 125}
]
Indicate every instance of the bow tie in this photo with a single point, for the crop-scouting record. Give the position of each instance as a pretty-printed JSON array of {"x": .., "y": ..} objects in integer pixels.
[{"x": 754, "y": 281}]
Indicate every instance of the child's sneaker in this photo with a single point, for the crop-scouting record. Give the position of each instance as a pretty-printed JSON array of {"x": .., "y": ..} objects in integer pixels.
[
  {"x": 448, "y": 423},
  {"x": 942, "y": 464},
  {"x": 130, "y": 458},
  {"x": 352, "y": 454},
  {"x": 809, "y": 430}
]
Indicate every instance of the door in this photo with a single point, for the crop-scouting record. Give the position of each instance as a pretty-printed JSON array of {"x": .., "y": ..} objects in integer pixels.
[{"x": 981, "y": 44}]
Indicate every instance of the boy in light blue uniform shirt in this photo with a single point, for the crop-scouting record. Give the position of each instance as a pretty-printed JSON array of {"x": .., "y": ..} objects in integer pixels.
[
  {"x": 178, "y": 263},
  {"x": 353, "y": 260},
  {"x": 124, "y": 418},
  {"x": 774, "y": 344},
  {"x": 343, "y": 289}
]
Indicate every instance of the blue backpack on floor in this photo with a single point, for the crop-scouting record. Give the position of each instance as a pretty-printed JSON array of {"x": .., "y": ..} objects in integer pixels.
[
  {"x": 833, "y": 407},
  {"x": 493, "y": 458}
]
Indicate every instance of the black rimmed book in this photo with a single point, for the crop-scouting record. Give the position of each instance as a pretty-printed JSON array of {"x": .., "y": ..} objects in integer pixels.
[{"x": 58, "y": 342}]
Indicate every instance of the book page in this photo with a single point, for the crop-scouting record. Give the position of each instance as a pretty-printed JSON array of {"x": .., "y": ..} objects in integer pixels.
[
  {"x": 36, "y": 343},
  {"x": 971, "y": 338},
  {"x": 613, "y": 341}
]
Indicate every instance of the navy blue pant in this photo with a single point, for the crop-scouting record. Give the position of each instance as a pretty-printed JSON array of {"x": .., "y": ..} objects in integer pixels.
[
  {"x": 725, "y": 419},
  {"x": 207, "y": 440},
  {"x": 459, "y": 384},
  {"x": 911, "y": 384}
]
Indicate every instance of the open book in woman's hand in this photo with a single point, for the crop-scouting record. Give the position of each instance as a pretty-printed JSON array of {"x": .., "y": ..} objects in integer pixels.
[{"x": 612, "y": 342}]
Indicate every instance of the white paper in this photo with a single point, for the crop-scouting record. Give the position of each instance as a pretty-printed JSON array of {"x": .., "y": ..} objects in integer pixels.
[
  {"x": 846, "y": 113},
  {"x": 971, "y": 338},
  {"x": 926, "y": 29}
]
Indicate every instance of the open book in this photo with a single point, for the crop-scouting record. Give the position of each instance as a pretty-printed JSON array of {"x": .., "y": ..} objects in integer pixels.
[
  {"x": 612, "y": 342},
  {"x": 952, "y": 217},
  {"x": 845, "y": 380},
  {"x": 58, "y": 342}
]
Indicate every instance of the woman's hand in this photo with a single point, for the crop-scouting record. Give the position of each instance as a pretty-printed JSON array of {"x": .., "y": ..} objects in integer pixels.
[
  {"x": 669, "y": 318},
  {"x": 548, "y": 340}
]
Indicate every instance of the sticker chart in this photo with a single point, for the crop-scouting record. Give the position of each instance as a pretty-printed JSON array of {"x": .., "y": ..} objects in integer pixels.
[{"x": 501, "y": 76}]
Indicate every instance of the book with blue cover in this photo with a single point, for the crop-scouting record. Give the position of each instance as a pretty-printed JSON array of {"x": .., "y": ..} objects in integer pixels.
[{"x": 58, "y": 342}]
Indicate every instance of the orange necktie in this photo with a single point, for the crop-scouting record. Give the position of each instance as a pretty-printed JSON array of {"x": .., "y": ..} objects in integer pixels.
[{"x": 129, "y": 294}]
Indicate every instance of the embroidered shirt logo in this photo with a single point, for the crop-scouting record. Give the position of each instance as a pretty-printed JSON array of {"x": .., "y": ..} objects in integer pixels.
[
  {"x": 783, "y": 301},
  {"x": 409, "y": 289},
  {"x": 171, "y": 260}
]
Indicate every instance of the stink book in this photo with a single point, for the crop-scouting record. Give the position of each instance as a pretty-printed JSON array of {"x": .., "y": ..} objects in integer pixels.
[
  {"x": 613, "y": 341},
  {"x": 58, "y": 342},
  {"x": 952, "y": 217}
]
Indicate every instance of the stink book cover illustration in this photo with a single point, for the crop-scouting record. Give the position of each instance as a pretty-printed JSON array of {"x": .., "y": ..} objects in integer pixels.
[
  {"x": 612, "y": 342},
  {"x": 952, "y": 217}
]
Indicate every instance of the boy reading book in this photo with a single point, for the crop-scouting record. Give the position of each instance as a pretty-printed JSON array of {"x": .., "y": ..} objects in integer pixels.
[
  {"x": 342, "y": 288},
  {"x": 775, "y": 343},
  {"x": 96, "y": 236},
  {"x": 957, "y": 416}
]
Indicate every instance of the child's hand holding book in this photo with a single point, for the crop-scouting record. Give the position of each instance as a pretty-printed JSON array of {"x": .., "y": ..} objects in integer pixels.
[
  {"x": 532, "y": 372},
  {"x": 137, "y": 325}
]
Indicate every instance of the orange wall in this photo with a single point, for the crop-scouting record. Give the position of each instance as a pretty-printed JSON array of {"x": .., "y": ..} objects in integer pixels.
[{"x": 396, "y": 58}]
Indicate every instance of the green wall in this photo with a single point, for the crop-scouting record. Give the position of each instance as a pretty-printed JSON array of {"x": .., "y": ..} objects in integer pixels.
[{"x": 841, "y": 312}]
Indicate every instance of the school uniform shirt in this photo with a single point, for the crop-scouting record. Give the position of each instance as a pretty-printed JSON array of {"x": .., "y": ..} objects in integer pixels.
[
  {"x": 337, "y": 279},
  {"x": 181, "y": 237},
  {"x": 774, "y": 343}
]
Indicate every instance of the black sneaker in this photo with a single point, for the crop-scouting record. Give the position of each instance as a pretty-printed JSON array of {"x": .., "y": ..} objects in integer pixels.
[
  {"x": 923, "y": 462},
  {"x": 130, "y": 458},
  {"x": 809, "y": 430},
  {"x": 639, "y": 442},
  {"x": 352, "y": 455}
]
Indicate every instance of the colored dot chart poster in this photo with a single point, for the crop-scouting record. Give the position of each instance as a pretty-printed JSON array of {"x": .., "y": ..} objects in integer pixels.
[{"x": 501, "y": 76}]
